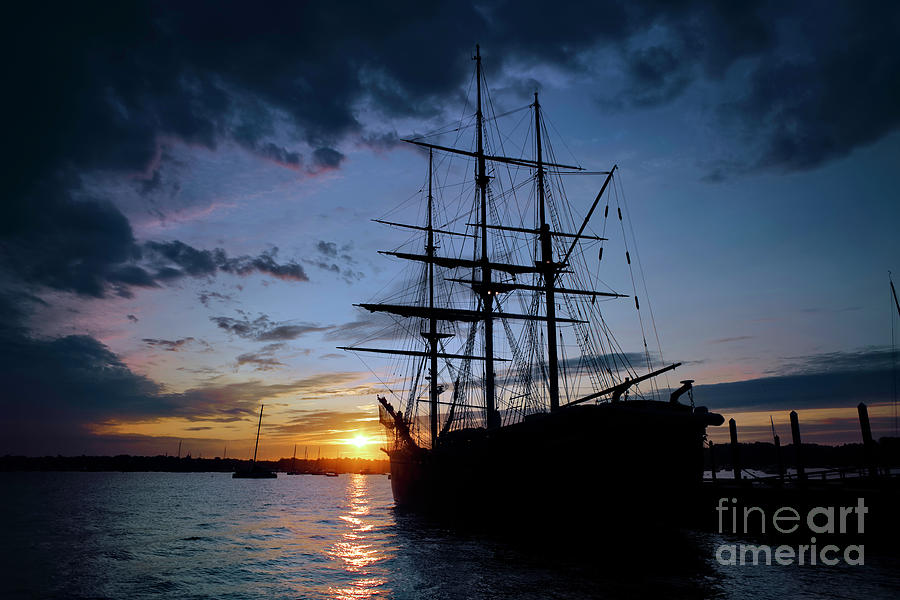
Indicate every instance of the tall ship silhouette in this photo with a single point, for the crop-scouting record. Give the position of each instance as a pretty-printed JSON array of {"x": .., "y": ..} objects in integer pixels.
[{"x": 505, "y": 388}]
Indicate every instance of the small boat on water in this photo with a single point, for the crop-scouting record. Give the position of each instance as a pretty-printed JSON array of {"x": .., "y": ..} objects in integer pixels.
[
  {"x": 255, "y": 471},
  {"x": 330, "y": 474}
]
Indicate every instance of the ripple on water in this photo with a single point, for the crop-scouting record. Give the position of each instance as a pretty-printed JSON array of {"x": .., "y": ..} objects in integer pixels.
[{"x": 150, "y": 535}]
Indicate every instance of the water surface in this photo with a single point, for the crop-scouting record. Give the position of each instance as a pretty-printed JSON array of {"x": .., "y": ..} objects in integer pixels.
[{"x": 206, "y": 535}]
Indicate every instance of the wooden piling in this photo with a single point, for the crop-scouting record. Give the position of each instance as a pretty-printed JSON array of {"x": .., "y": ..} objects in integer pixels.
[
  {"x": 778, "y": 459},
  {"x": 798, "y": 455},
  {"x": 868, "y": 442},
  {"x": 735, "y": 457},
  {"x": 712, "y": 461}
]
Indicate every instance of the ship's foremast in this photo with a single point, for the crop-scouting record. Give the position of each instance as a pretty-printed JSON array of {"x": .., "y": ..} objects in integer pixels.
[{"x": 432, "y": 335}]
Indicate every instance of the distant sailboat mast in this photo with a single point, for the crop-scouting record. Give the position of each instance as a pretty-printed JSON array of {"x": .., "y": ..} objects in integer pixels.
[
  {"x": 258, "y": 427},
  {"x": 254, "y": 471},
  {"x": 893, "y": 347}
]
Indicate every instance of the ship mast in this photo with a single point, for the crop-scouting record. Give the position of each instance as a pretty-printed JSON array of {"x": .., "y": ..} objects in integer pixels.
[
  {"x": 487, "y": 302},
  {"x": 432, "y": 335},
  {"x": 548, "y": 268}
]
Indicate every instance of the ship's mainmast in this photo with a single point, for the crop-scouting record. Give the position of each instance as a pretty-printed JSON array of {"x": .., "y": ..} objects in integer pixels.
[
  {"x": 487, "y": 292},
  {"x": 547, "y": 266}
]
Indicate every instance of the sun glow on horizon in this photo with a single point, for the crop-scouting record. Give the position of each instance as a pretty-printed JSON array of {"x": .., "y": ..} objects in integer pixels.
[{"x": 360, "y": 440}]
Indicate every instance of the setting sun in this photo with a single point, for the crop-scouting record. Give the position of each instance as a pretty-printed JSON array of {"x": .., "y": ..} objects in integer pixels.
[{"x": 359, "y": 441}]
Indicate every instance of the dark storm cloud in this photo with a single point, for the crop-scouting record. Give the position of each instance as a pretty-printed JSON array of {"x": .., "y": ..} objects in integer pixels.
[
  {"x": 384, "y": 141},
  {"x": 866, "y": 359},
  {"x": 206, "y": 296},
  {"x": 332, "y": 256},
  {"x": 726, "y": 340},
  {"x": 199, "y": 263},
  {"x": 368, "y": 327},
  {"x": 117, "y": 81},
  {"x": 258, "y": 361},
  {"x": 263, "y": 359},
  {"x": 581, "y": 365},
  {"x": 213, "y": 71},
  {"x": 86, "y": 246},
  {"x": 327, "y": 158},
  {"x": 287, "y": 332},
  {"x": 88, "y": 271},
  {"x": 841, "y": 93},
  {"x": 327, "y": 248},
  {"x": 148, "y": 186},
  {"x": 821, "y": 79},
  {"x": 281, "y": 155},
  {"x": 168, "y": 345},
  {"x": 656, "y": 76},
  {"x": 584, "y": 364},
  {"x": 57, "y": 389},
  {"x": 190, "y": 260},
  {"x": 346, "y": 273},
  {"x": 838, "y": 379},
  {"x": 263, "y": 329},
  {"x": 82, "y": 246},
  {"x": 88, "y": 381}
]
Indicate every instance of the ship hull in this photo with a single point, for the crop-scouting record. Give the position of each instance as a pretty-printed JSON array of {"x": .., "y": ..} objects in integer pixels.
[{"x": 641, "y": 459}]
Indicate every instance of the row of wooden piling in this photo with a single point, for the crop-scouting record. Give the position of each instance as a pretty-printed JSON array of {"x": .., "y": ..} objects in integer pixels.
[{"x": 868, "y": 446}]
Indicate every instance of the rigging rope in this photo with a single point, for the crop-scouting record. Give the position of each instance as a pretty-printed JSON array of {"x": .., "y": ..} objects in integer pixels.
[
  {"x": 523, "y": 386},
  {"x": 643, "y": 278}
]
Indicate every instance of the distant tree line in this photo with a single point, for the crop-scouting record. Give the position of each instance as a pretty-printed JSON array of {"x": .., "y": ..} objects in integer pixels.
[
  {"x": 756, "y": 455},
  {"x": 187, "y": 464}
]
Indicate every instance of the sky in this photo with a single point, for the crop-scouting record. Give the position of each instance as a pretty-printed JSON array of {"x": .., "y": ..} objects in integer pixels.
[{"x": 189, "y": 186}]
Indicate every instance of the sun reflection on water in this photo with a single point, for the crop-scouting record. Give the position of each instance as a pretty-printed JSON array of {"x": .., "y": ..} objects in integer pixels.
[{"x": 359, "y": 551}]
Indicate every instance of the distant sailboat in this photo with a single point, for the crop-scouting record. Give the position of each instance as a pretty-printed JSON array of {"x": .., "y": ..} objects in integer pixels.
[
  {"x": 318, "y": 470},
  {"x": 294, "y": 470},
  {"x": 255, "y": 471}
]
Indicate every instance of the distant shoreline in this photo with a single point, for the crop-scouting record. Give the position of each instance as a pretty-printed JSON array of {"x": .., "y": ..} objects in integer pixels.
[
  {"x": 754, "y": 455},
  {"x": 186, "y": 464}
]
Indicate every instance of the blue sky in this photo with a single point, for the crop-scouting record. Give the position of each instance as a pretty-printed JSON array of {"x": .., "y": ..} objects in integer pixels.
[{"x": 187, "y": 221}]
